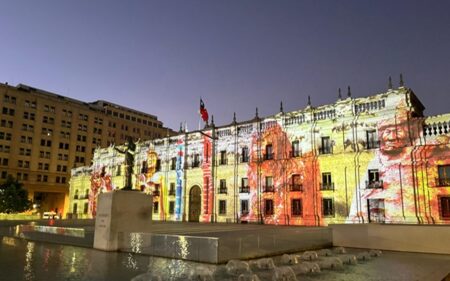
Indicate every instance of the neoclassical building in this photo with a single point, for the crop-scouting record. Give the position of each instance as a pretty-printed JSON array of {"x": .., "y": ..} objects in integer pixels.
[{"x": 358, "y": 160}]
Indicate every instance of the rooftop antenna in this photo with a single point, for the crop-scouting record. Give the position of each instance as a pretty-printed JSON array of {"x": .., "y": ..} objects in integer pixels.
[
  {"x": 281, "y": 106},
  {"x": 309, "y": 100},
  {"x": 256, "y": 116},
  {"x": 390, "y": 83},
  {"x": 349, "y": 92},
  {"x": 339, "y": 93},
  {"x": 234, "y": 117}
]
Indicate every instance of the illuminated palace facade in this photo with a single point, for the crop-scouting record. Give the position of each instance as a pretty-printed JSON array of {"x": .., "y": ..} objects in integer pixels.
[{"x": 358, "y": 160}]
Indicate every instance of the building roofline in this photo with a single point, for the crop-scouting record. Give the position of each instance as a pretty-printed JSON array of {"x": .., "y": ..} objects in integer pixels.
[{"x": 91, "y": 105}]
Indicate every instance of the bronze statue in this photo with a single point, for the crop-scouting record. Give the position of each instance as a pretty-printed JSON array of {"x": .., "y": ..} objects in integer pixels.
[{"x": 129, "y": 161}]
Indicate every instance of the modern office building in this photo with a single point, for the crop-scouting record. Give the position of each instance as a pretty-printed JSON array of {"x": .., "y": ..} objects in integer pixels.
[
  {"x": 357, "y": 160},
  {"x": 44, "y": 135}
]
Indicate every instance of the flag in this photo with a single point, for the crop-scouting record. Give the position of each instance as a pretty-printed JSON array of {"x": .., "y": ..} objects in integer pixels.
[{"x": 203, "y": 112}]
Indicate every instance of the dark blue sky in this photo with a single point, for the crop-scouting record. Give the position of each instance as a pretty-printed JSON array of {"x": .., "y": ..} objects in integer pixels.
[{"x": 161, "y": 56}]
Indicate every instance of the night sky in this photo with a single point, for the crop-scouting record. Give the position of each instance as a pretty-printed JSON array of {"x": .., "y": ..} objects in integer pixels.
[{"x": 160, "y": 57}]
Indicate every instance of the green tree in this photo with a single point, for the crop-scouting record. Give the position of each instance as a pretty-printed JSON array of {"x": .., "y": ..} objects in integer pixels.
[{"x": 13, "y": 197}]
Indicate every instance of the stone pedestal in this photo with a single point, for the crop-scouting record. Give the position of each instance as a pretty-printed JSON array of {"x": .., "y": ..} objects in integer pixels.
[{"x": 120, "y": 211}]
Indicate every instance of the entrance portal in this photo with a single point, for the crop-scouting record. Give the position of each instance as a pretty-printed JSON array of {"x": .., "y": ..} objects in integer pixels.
[{"x": 195, "y": 203}]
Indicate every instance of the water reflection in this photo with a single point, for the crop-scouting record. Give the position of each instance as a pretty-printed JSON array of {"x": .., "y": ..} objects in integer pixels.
[
  {"x": 35, "y": 261},
  {"x": 28, "y": 269},
  {"x": 183, "y": 245}
]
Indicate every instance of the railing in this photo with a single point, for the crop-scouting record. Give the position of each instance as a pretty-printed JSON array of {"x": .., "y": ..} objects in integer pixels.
[
  {"x": 326, "y": 150},
  {"x": 327, "y": 186},
  {"x": 171, "y": 192},
  {"x": 374, "y": 184},
  {"x": 244, "y": 189},
  {"x": 268, "y": 188},
  {"x": 223, "y": 190},
  {"x": 373, "y": 144},
  {"x": 442, "y": 181},
  {"x": 295, "y": 153},
  {"x": 296, "y": 187}
]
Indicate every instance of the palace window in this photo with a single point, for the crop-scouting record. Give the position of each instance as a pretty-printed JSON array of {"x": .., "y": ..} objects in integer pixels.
[
  {"x": 196, "y": 161},
  {"x": 222, "y": 207},
  {"x": 171, "y": 207},
  {"x": 296, "y": 207},
  {"x": 327, "y": 207},
  {"x": 158, "y": 165},
  {"x": 268, "y": 207},
  {"x": 445, "y": 207},
  {"x": 296, "y": 149},
  {"x": 372, "y": 139},
  {"x": 296, "y": 184},
  {"x": 269, "y": 152},
  {"x": 245, "y": 157},
  {"x": 325, "y": 147},
  {"x": 327, "y": 183},
  {"x": 374, "y": 179},
  {"x": 244, "y": 188},
  {"x": 443, "y": 175},
  {"x": 172, "y": 189},
  {"x": 223, "y": 186},
  {"x": 223, "y": 157},
  {"x": 244, "y": 207},
  {"x": 173, "y": 163},
  {"x": 269, "y": 185}
]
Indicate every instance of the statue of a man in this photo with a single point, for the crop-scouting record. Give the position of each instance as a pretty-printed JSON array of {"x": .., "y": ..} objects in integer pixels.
[{"x": 129, "y": 161}]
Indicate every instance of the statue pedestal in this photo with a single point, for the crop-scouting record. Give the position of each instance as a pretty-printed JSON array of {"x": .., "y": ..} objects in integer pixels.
[{"x": 120, "y": 211}]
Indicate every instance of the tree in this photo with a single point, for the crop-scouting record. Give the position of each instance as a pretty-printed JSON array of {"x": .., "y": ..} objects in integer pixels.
[{"x": 13, "y": 197}]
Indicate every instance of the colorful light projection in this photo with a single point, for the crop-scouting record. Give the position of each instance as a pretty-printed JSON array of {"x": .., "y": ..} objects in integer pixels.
[
  {"x": 372, "y": 167},
  {"x": 100, "y": 182},
  {"x": 179, "y": 179},
  {"x": 272, "y": 174},
  {"x": 208, "y": 186}
]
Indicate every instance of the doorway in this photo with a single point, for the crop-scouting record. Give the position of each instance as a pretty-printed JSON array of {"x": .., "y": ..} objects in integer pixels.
[
  {"x": 376, "y": 210},
  {"x": 194, "y": 203}
]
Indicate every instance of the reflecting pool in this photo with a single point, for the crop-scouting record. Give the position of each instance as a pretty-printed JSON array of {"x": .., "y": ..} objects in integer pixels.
[{"x": 28, "y": 260}]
